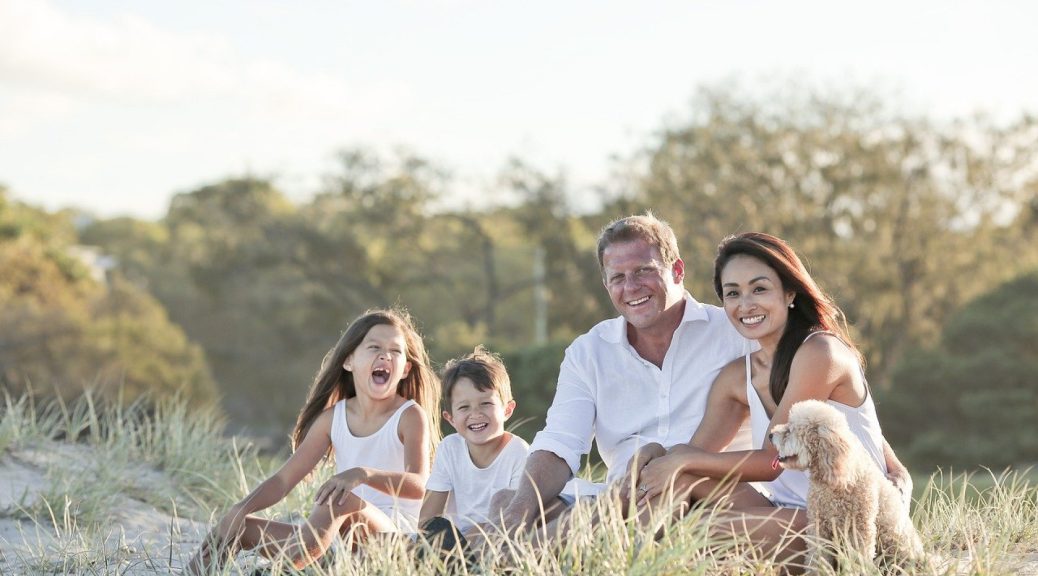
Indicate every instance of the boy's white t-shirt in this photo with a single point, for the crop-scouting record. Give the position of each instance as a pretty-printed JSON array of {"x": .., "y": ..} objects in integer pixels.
[{"x": 472, "y": 487}]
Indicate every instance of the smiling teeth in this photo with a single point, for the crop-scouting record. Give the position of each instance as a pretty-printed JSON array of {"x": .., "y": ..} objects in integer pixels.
[
  {"x": 638, "y": 301},
  {"x": 478, "y": 427},
  {"x": 753, "y": 319}
]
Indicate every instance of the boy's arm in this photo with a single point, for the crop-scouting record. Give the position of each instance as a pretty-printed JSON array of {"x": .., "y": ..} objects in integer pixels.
[{"x": 434, "y": 504}]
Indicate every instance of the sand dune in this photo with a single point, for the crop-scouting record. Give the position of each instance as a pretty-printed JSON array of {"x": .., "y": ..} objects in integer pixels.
[{"x": 135, "y": 538}]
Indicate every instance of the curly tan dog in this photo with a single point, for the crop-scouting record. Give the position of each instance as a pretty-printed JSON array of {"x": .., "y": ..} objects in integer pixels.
[{"x": 849, "y": 502}]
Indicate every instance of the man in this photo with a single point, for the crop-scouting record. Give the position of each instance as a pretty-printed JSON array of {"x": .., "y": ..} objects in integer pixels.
[
  {"x": 630, "y": 381},
  {"x": 637, "y": 380}
]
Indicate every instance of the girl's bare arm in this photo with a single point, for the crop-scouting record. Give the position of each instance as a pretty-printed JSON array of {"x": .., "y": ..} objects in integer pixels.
[{"x": 410, "y": 483}]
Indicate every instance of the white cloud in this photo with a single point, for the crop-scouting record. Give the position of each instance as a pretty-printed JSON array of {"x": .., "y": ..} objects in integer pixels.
[{"x": 129, "y": 60}]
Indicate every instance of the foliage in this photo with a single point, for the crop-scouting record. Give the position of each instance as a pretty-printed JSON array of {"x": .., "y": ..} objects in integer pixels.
[
  {"x": 533, "y": 372},
  {"x": 64, "y": 328},
  {"x": 978, "y": 389},
  {"x": 902, "y": 219}
]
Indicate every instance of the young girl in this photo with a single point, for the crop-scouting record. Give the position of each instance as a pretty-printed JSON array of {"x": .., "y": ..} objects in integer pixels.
[
  {"x": 375, "y": 404},
  {"x": 805, "y": 353}
]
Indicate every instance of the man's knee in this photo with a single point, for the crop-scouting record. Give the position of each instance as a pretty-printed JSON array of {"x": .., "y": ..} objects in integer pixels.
[{"x": 500, "y": 500}]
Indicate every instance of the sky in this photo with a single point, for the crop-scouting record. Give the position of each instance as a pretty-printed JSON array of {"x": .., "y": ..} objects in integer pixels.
[{"x": 114, "y": 106}]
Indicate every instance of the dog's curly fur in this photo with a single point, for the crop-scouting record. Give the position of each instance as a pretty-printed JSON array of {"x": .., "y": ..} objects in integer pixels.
[{"x": 850, "y": 502}]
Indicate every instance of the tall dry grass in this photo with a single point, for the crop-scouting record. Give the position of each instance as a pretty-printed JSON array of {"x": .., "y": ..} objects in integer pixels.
[{"x": 98, "y": 458}]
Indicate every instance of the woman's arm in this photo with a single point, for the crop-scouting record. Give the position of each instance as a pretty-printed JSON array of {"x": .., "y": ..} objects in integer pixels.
[
  {"x": 414, "y": 434},
  {"x": 898, "y": 474},
  {"x": 726, "y": 409},
  {"x": 814, "y": 374}
]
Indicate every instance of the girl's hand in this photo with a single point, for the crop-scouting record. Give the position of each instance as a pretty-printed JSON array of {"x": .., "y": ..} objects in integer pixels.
[
  {"x": 230, "y": 526},
  {"x": 338, "y": 487},
  {"x": 658, "y": 475}
]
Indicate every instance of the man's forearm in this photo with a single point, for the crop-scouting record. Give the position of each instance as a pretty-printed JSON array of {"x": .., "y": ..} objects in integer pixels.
[{"x": 545, "y": 476}]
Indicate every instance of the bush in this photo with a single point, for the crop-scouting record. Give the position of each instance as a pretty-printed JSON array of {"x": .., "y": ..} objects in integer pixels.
[{"x": 973, "y": 399}]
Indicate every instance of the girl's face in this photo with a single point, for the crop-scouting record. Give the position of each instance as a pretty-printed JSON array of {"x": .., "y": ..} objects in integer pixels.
[
  {"x": 379, "y": 362},
  {"x": 754, "y": 298}
]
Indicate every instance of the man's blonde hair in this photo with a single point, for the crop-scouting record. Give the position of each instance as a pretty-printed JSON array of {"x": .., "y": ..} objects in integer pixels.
[{"x": 641, "y": 227}]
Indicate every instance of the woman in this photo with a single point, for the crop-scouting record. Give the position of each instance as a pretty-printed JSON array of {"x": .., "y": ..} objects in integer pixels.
[{"x": 805, "y": 353}]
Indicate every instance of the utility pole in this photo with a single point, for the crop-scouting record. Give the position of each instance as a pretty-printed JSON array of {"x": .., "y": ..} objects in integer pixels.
[{"x": 540, "y": 298}]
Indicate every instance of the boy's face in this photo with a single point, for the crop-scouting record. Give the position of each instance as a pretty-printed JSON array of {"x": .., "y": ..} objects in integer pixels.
[{"x": 478, "y": 415}]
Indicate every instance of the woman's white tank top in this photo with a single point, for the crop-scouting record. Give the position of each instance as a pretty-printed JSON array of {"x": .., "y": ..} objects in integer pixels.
[
  {"x": 789, "y": 490},
  {"x": 382, "y": 450}
]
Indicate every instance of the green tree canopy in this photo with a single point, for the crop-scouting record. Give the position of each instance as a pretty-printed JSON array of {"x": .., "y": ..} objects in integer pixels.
[
  {"x": 65, "y": 329},
  {"x": 973, "y": 399}
]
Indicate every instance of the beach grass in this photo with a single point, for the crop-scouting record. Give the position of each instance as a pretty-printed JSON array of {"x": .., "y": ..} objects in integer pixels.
[{"x": 130, "y": 489}]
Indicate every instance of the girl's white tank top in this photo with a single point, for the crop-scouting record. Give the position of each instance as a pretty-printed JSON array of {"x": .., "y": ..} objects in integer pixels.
[{"x": 382, "y": 450}]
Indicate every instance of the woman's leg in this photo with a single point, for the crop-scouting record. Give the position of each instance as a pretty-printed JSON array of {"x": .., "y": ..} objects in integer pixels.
[
  {"x": 776, "y": 533},
  {"x": 742, "y": 511},
  {"x": 689, "y": 490}
]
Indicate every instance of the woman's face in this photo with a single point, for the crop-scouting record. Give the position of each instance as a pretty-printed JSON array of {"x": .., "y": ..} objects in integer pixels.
[{"x": 754, "y": 298}]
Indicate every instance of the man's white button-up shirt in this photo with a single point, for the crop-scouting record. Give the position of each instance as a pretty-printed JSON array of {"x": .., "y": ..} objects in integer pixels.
[{"x": 608, "y": 392}]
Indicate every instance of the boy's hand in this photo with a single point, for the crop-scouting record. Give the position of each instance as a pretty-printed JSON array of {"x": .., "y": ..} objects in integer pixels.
[{"x": 338, "y": 487}]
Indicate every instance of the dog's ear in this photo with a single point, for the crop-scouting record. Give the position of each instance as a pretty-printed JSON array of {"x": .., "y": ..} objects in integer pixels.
[{"x": 831, "y": 451}]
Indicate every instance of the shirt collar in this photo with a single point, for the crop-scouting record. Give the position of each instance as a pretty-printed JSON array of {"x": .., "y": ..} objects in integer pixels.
[{"x": 694, "y": 312}]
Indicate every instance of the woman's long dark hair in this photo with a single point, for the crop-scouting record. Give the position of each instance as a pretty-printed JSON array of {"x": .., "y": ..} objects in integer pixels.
[
  {"x": 333, "y": 382},
  {"x": 813, "y": 310}
]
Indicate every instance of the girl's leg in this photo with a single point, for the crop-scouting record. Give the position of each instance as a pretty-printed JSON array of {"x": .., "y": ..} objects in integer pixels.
[
  {"x": 307, "y": 542},
  {"x": 218, "y": 547}
]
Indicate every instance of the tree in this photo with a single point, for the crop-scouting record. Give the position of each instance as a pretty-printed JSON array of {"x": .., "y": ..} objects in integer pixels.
[
  {"x": 972, "y": 399},
  {"x": 64, "y": 330},
  {"x": 898, "y": 218}
]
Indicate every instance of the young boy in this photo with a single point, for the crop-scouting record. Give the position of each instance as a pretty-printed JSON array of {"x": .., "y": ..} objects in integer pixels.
[{"x": 481, "y": 459}]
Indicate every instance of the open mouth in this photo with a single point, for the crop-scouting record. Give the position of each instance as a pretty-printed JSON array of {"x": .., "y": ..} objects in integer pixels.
[
  {"x": 380, "y": 376},
  {"x": 781, "y": 460},
  {"x": 752, "y": 320},
  {"x": 478, "y": 427}
]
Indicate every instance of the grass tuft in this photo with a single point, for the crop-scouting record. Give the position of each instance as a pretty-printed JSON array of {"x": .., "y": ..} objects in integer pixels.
[{"x": 100, "y": 461}]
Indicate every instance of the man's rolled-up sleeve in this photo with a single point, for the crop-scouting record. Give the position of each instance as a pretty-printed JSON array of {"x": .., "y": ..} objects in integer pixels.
[{"x": 571, "y": 417}]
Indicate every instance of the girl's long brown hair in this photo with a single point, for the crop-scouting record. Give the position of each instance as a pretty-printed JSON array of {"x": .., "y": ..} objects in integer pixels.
[
  {"x": 333, "y": 382},
  {"x": 813, "y": 310}
]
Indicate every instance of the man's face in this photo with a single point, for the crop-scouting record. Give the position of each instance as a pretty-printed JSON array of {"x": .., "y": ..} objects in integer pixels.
[{"x": 641, "y": 287}]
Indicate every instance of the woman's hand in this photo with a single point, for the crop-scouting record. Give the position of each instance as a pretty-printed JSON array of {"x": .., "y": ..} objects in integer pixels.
[
  {"x": 902, "y": 480},
  {"x": 643, "y": 456},
  {"x": 338, "y": 487},
  {"x": 659, "y": 474}
]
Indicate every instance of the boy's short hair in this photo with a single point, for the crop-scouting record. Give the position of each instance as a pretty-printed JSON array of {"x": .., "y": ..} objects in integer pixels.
[
  {"x": 642, "y": 227},
  {"x": 484, "y": 368}
]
